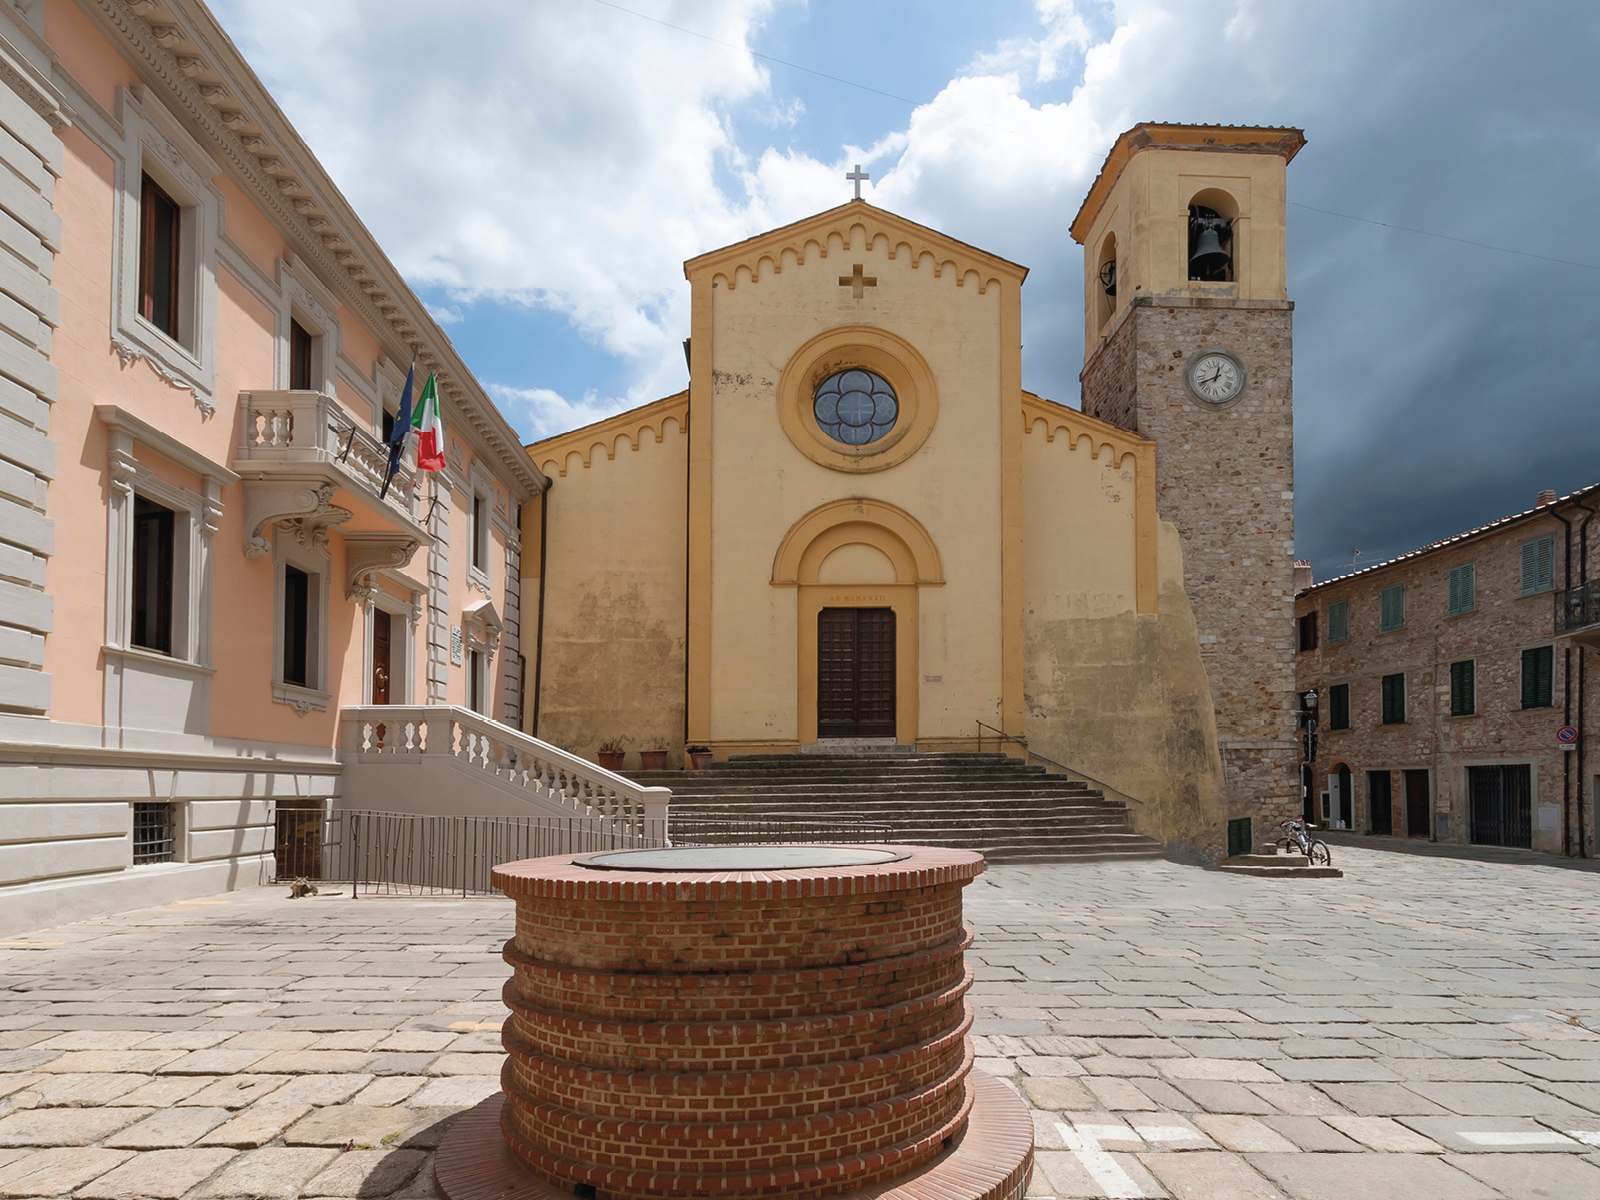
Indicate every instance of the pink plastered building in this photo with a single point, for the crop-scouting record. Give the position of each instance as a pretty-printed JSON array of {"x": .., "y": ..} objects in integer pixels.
[{"x": 202, "y": 586}]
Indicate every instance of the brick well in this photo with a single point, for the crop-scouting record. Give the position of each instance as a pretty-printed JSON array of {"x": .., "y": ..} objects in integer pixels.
[{"x": 745, "y": 1033}]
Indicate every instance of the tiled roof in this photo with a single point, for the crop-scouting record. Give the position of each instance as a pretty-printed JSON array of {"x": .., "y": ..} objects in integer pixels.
[{"x": 1458, "y": 538}]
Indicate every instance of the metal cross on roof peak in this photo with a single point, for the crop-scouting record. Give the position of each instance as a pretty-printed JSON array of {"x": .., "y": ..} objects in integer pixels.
[{"x": 857, "y": 176}]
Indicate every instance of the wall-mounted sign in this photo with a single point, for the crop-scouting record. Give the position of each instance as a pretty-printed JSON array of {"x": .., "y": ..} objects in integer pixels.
[
  {"x": 1567, "y": 736},
  {"x": 455, "y": 645}
]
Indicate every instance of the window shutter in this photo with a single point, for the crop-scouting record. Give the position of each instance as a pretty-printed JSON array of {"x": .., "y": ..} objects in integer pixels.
[
  {"x": 1461, "y": 589},
  {"x": 1538, "y": 677},
  {"x": 1392, "y": 607},
  {"x": 1339, "y": 621},
  {"x": 1339, "y": 706},
  {"x": 1394, "y": 699},
  {"x": 1538, "y": 565},
  {"x": 1463, "y": 700}
]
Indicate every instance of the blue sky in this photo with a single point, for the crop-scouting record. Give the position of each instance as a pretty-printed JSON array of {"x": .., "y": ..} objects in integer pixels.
[{"x": 540, "y": 171}]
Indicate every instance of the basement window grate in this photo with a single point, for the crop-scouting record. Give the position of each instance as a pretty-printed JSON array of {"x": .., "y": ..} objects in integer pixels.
[{"x": 152, "y": 833}]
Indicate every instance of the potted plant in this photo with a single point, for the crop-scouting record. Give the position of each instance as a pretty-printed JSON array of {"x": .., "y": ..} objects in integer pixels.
[
  {"x": 652, "y": 760},
  {"x": 699, "y": 758},
  {"x": 612, "y": 754}
]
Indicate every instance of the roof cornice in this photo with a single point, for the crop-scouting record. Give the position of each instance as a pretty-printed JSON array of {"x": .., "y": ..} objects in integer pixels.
[
  {"x": 875, "y": 223},
  {"x": 179, "y": 47},
  {"x": 1155, "y": 135},
  {"x": 1466, "y": 537}
]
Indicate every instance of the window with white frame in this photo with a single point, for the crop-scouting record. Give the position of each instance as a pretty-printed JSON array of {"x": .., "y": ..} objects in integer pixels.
[
  {"x": 309, "y": 336},
  {"x": 154, "y": 575},
  {"x": 164, "y": 302},
  {"x": 300, "y": 633},
  {"x": 480, "y": 532},
  {"x": 480, "y": 525},
  {"x": 158, "y": 542},
  {"x": 477, "y": 685}
]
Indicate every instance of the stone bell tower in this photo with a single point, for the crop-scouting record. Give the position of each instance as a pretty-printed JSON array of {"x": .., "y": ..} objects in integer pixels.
[{"x": 1187, "y": 340}]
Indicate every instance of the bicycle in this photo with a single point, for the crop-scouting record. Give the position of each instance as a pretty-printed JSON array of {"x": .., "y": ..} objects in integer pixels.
[{"x": 1298, "y": 841}]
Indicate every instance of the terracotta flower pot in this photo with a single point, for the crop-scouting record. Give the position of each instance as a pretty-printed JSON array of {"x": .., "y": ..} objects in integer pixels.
[
  {"x": 652, "y": 760},
  {"x": 700, "y": 760},
  {"x": 612, "y": 760}
]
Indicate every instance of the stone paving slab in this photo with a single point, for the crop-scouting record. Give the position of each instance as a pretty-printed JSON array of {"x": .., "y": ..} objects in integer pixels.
[{"x": 1177, "y": 1033}]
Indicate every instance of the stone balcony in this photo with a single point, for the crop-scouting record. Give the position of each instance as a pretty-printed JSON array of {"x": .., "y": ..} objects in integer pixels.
[{"x": 299, "y": 452}]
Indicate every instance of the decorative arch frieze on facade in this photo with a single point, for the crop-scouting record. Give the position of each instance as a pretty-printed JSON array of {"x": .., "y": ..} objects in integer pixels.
[
  {"x": 746, "y": 262},
  {"x": 554, "y": 455},
  {"x": 1053, "y": 418}
]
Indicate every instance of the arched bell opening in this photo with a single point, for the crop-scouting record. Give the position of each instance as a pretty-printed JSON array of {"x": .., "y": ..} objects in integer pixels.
[
  {"x": 1106, "y": 280},
  {"x": 1212, "y": 216}
]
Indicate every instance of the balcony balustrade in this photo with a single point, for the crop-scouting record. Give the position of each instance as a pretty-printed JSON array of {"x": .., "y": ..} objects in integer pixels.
[
  {"x": 1577, "y": 614},
  {"x": 297, "y": 450}
]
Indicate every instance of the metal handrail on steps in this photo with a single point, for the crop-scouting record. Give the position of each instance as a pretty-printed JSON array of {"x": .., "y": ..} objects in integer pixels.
[{"x": 1032, "y": 754}]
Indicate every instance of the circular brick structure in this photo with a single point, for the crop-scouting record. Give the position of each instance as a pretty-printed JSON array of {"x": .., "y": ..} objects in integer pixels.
[{"x": 741, "y": 1022}]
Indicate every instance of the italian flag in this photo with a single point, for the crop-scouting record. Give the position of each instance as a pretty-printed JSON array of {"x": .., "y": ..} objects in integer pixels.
[{"x": 429, "y": 425}]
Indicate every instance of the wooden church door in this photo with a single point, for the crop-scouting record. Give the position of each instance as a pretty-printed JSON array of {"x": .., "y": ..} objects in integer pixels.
[{"x": 855, "y": 673}]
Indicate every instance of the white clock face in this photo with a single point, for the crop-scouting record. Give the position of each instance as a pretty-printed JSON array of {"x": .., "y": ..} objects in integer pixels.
[{"x": 1215, "y": 377}]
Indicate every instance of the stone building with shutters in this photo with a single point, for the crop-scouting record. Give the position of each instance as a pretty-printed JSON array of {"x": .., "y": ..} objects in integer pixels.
[
  {"x": 203, "y": 581},
  {"x": 1444, "y": 680},
  {"x": 856, "y": 524}
]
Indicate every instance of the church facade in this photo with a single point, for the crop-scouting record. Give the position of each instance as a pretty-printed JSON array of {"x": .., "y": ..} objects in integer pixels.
[{"x": 856, "y": 524}]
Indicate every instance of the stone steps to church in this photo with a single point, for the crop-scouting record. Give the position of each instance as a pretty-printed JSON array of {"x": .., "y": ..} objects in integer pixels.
[
  {"x": 1002, "y": 806},
  {"x": 829, "y": 807},
  {"x": 831, "y": 797},
  {"x": 702, "y": 781}
]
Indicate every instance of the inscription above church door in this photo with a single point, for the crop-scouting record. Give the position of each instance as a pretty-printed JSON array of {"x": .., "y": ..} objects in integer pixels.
[{"x": 855, "y": 673}]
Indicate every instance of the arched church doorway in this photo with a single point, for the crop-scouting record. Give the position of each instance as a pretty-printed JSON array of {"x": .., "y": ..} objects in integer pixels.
[
  {"x": 858, "y": 566},
  {"x": 856, "y": 673}
]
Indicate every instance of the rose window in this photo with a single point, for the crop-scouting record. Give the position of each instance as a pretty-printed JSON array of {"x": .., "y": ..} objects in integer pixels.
[{"x": 856, "y": 407}]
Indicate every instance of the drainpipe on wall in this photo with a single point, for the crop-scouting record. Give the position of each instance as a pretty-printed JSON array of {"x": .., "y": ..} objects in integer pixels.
[
  {"x": 1433, "y": 765},
  {"x": 1583, "y": 579},
  {"x": 1566, "y": 697}
]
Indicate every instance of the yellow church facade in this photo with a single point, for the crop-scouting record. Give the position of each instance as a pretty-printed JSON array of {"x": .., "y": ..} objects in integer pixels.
[{"x": 857, "y": 526}]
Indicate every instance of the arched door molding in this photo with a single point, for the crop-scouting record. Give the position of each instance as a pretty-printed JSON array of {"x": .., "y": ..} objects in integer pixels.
[{"x": 901, "y": 539}]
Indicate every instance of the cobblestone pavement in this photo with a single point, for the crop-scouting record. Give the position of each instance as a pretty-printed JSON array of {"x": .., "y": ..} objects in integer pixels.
[{"x": 1414, "y": 1030}]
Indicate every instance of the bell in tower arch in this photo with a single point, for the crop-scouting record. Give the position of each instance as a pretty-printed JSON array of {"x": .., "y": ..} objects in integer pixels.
[{"x": 1210, "y": 236}]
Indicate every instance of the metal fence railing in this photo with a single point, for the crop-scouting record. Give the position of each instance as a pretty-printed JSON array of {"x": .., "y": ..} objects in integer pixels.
[
  {"x": 405, "y": 854},
  {"x": 1577, "y": 608}
]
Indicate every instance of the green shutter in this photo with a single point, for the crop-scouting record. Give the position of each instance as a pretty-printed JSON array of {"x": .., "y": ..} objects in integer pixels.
[
  {"x": 1462, "y": 598},
  {"x": 1392, "y": 608},
  {"x": 1339, "y": 706},
  {"x": 1394, "y": 699},
  {"x": 1339, "y": 621},
  {"x": 1538, "y": 677},
  {"x": 1538, "y": 565},
  {"x": 1463, "y": 689}
]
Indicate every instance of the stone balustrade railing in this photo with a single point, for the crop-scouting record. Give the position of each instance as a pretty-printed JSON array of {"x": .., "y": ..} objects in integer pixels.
[
  {"x": 309, "y": 427},
  {"x": 550, "y": 777}
]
